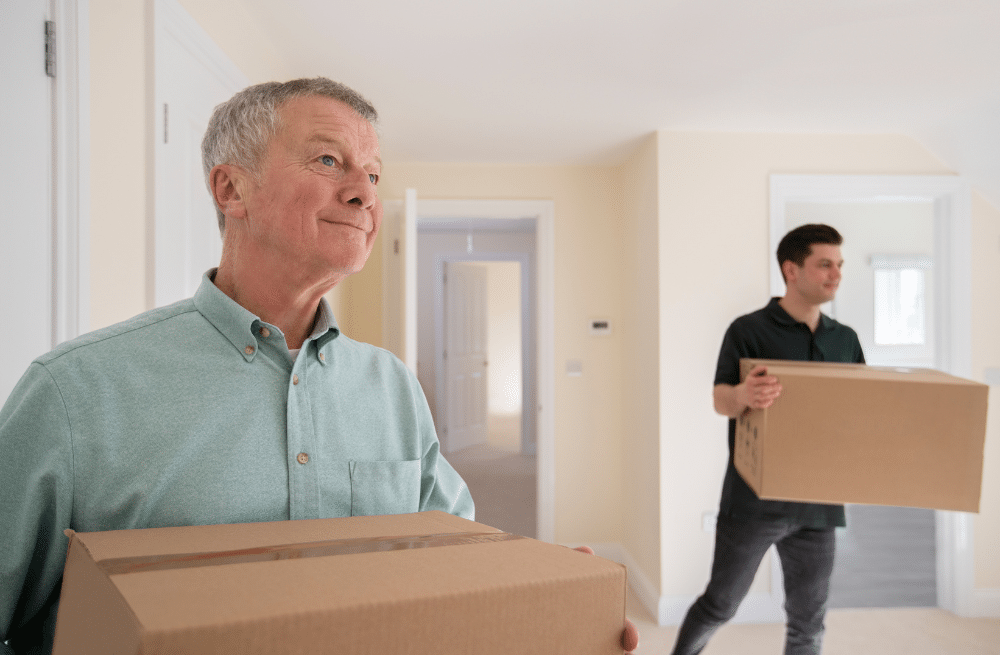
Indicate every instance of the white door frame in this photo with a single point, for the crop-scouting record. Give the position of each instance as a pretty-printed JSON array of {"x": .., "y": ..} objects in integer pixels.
[
  {"x": 951, "y": 196},
  {"x": 543, "y": 213},
  {"x": 528, "y": 367},
  {"x": 71, "y": 193}
]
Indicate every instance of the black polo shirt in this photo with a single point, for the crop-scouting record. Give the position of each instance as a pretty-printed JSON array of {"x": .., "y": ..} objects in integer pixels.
[{"x": 771, "y": 333}]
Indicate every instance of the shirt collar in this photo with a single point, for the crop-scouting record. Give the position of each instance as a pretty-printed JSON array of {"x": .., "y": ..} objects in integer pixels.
[
  {"x": 325, "y": 328},
  {"x": 237, "y": 323},
  {"x": 779, "y": 314}
]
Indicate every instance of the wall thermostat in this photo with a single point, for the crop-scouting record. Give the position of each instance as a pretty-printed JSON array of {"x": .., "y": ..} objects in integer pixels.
[{"x": 600, "y": 326}]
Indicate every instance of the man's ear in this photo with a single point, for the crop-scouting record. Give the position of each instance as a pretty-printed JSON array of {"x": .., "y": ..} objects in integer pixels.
[
  {"x": 228, "y": 183},
  {"x": 787, "y": 269}
]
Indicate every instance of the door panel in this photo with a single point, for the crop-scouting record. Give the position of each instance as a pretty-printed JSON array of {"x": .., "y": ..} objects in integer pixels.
[
  {"x": 465, "y": 355},
  {"x": 192, "y": 76},
  {"x": 26, "y": 235}
]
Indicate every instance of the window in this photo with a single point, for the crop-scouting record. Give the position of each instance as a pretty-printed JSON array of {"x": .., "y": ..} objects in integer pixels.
[{"x": 901, "y": 300}]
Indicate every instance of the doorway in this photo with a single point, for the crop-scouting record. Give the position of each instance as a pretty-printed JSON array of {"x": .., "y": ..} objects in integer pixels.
[
  {"x": 477, "y": 363},
  {"x": 885, "y": 555},
  {"x": 931, "y": 328},
  {"x": 481, "y": 409}
]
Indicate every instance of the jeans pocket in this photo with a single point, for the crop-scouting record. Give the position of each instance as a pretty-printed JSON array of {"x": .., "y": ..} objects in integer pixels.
[{"x": 385, "y": 487}]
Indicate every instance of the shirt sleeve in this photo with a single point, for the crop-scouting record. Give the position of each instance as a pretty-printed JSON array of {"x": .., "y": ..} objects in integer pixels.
[
  {"x": 441, "y": 487},
  {"x": 727, "y": 370},
  {"x": 35, "y": 507}
]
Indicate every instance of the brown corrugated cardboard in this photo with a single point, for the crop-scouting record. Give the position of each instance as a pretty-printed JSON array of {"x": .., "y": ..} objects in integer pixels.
[
  {"x": 850, "y": 433},
  {"x": 354, "y": 585}
]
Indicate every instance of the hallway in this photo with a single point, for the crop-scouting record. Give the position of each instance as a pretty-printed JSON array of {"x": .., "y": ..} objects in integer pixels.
[{"x": 503, "y": 482}]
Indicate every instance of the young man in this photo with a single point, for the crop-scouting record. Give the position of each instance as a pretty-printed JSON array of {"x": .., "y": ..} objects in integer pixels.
[{"x": 790, "y": 327}]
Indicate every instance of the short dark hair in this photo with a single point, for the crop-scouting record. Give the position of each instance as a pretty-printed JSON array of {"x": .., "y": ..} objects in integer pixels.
[{"x": 797, "y": 244}]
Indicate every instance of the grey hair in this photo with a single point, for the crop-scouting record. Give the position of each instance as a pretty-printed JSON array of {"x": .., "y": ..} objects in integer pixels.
[{"x": 241, "y": 128}]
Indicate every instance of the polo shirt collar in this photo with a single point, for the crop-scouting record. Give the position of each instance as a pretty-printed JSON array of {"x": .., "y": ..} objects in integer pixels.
[
  {"x": 779, "y": 314},
  {"x": 236, "y": 323}
]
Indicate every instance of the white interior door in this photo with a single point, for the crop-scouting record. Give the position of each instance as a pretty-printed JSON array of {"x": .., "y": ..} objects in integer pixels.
[
  {"x": 26, "y": 251},
  {"x": 465, "y": 354},
  {"x": 193, "y": 75}
]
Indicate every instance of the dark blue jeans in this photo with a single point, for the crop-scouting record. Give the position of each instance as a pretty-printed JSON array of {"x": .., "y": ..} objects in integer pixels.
[{"x": 806, "y": 562}]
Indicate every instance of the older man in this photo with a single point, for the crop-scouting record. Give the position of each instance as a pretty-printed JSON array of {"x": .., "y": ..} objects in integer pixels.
[{"x": 244, "y": 403}]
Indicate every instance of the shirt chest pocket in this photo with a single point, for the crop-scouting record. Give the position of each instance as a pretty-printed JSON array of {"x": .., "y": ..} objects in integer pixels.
[{"x": 385, "y": 487}]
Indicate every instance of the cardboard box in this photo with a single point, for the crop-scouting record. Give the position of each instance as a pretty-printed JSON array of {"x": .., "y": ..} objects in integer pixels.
[
  {"x": 850, "y": 433},
  {"x": 413, "y": 583}
]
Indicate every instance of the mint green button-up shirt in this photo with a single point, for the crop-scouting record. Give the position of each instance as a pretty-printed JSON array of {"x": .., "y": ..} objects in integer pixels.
[{"x": 193, "y": 414}]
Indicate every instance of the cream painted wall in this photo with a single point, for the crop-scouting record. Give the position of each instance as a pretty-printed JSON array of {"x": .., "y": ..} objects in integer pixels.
[
  {"x": 639, "y": 329},
  {"x": 714, "y": 257},
  {"x": 121, "y": 155},
  {"x": 251, "y": 46},
  {"x": 589, "y": 249},
  {"x": 118, "y": 162},
  {"x": 503, "y": 286}
]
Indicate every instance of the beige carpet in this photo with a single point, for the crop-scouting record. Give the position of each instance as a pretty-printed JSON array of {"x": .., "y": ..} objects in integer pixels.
[
  {"x": 503, "y": 485},
  {"x": 906, "y": 631}
]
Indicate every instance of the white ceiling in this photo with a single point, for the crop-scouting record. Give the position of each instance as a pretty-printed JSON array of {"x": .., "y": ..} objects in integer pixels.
[{"x": 581, "y": 81}]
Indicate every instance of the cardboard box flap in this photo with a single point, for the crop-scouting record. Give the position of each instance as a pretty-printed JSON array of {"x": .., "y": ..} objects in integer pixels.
[
  {"x": 114, "y": 544},
  {"x": 245, "y": 593},
  {"x": 854, "y": 371}
]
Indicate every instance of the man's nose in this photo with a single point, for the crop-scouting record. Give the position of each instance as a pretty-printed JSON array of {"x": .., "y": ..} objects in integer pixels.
[{"x": 359, "y": 190}]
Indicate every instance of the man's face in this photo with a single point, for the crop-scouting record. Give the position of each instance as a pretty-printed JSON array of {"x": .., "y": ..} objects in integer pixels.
[
  {"x": 316, "y": 204},
  {"x": 816, "y": 281}
]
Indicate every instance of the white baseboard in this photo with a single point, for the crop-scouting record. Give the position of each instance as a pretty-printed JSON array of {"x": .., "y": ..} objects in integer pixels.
[
  {"x": 645, "y": 591},
  {"x": 757, "y": 607}
]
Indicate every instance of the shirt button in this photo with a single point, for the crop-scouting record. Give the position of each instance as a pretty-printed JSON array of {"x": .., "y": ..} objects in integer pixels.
[
  {"x": 248, "y": 350},
  {"x": 295, "y": 379},
  {"x": 302, "y": 458},
  {"x": 264, "y": 332},
  {"x": 322, "y": 357}
]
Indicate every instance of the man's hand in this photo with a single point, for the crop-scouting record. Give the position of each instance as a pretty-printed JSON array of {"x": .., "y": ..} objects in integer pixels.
[
  {"x": 630, "y": 637},
  {"x": 759, "y": 390}
]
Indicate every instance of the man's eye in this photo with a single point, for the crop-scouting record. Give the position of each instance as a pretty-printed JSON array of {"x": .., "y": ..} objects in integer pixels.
[
  {"x": 327, "y": 160},
  {"x": 373, "y": 178}
]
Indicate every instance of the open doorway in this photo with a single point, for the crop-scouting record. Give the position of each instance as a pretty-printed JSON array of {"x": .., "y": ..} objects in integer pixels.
[
  {"x": 482, "y": 416},
  {"x": 476, "y": 361},
  {"x": 886, "y": 556},
  {"x": 929, "y": 254}
]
